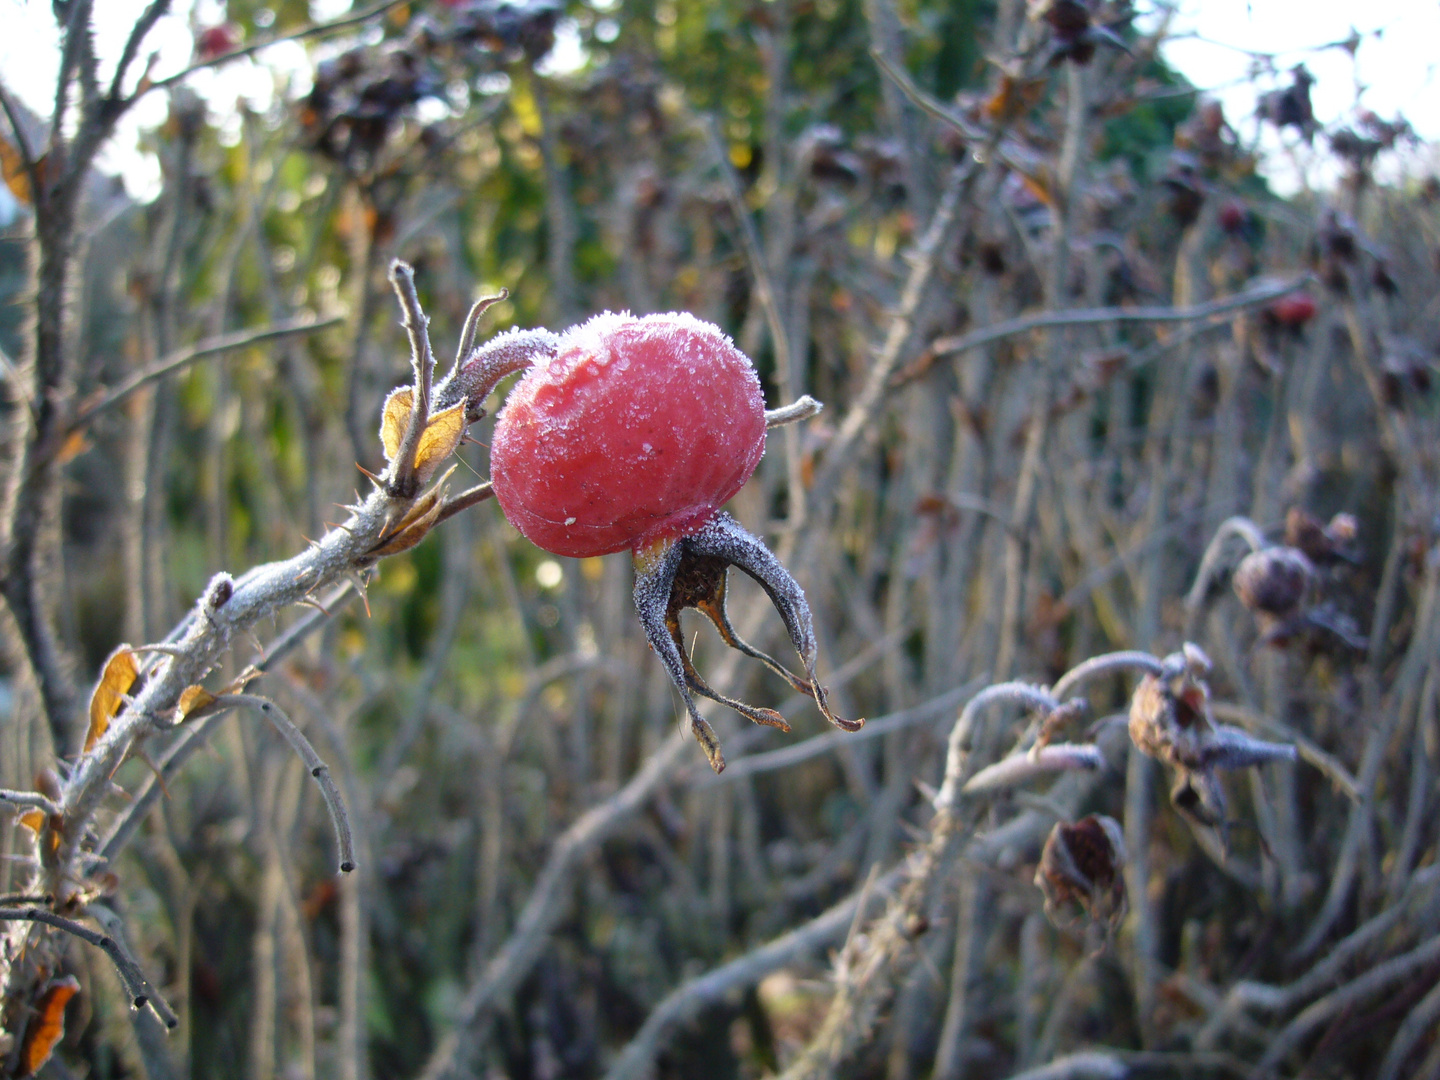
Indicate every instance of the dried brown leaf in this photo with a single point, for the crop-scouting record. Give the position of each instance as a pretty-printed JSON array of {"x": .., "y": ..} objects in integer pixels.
[
  {"x": 411, "y": 532},
  {"x": 437, "y": 442},
  {"x": 12, "y": 165}
]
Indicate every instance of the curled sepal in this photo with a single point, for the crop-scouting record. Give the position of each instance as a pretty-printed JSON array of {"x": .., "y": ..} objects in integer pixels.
[
  {"x": 725, "y": 540},
  {"x": 690, "y": 572},
  {"x": 655, "y": 567}
]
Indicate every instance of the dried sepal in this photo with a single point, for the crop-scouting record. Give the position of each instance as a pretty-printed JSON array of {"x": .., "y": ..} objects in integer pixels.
[
  {"x": 415, "y": 529},
  {"x": 690, "y": 572},
  {"x": 117, "y": 678},
  {"x": 655, "y": 566},
  {"x": 724, "y": 538},
  {"x": 1084, "y": 864}
]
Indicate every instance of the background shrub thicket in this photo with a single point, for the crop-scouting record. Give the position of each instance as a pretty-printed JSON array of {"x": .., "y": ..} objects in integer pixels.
[{"x": 1063, "y": 332}]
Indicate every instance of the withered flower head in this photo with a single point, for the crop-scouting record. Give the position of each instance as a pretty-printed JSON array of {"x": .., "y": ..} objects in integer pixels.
[
  {"x": 1322, "y": 544},
  {"x": 1170, "y": 720},
  {"x": 1084, "y": 864},
  {"x": 1274, "y": 581}
]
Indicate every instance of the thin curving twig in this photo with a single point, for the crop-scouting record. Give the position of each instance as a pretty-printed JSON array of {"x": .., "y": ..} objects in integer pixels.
[{"x": 136, "y": 984}]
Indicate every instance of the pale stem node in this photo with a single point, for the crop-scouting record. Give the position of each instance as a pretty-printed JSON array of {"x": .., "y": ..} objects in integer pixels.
[{"x": 802, "y": 408}]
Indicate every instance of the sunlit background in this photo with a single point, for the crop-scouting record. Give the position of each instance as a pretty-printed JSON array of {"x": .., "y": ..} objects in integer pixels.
[{"x": 1379, "y": 56}]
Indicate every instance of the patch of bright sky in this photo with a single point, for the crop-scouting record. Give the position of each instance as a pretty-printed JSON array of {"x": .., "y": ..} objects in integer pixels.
[
  {"x": 1216, "y": 46},
  {"x": 30, "y": 59},
  {"x": 1240, "y": 48}
]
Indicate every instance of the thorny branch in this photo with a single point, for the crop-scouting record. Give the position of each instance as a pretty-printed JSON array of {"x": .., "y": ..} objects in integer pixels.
[{"x": 228, "y": 609}]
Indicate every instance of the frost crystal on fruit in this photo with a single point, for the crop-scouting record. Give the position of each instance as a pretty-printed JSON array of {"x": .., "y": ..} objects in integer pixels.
[
  {"x": 632, "y": 434},
  {"x": 636, "y": 429}
]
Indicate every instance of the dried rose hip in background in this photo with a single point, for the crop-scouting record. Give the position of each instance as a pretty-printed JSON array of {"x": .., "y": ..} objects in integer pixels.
[
  {"x": 633, "y": 435},
  {"x": 638, "y": 429}
]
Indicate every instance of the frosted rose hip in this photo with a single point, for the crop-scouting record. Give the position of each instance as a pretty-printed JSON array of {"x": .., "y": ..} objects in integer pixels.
[
  {"x": 632, "y": 434},
  {"x": 639, "y": 429}
]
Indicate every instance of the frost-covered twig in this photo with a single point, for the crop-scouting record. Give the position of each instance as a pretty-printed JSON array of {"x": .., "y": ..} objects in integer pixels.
[
  {"x": 1035, "y": 697},
  {"x": 687, "y": 1000},
  {"x": 802, "y": 408},
  {"x": 1018, "y": 768},
  {"x": 1242, "y": 527}
]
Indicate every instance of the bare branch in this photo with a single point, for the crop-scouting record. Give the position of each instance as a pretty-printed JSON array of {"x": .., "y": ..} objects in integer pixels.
[
  {"x": 31, "y": 799},
  {"x": 181, "y": 359},
  {"x": 687, "y": 1000},
  {"x": 1262, "y": 294},
  {"x": 1097, "y": 666},
  {"x": 1018, "y": 768},
  {"x": 143, "y": 25},
  {"x": 957, "y": 754},
  {"x": 318, "y": 30},
  {"x": 198, "y": 730},
  {"x": 317, "y": 768}
]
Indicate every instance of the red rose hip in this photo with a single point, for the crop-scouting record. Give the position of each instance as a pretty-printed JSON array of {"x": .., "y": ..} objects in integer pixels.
[{"x": 637, "y": 430}]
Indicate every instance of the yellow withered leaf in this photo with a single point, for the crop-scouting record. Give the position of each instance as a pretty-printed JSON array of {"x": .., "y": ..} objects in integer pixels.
[
  {"x": 437, "y": 442},
  {"x": 393, "y": 419},
  {"x": 116, "y": 679},
  {"x": 193, "y": 699},
  {"x": 442, "y": 435},
  {"x": 34, "y": 820}
]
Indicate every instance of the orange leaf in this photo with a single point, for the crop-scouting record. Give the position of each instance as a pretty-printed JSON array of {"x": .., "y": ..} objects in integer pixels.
[
  {"x": 74, "y": 445},
  {"x": 116, "y": 680},
  {"x": 47, "y": 1027},
  {"x": 34, "y": 820},
  {"x": 12, "y": 165},
  {"x": 1039, "y": 187}
]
